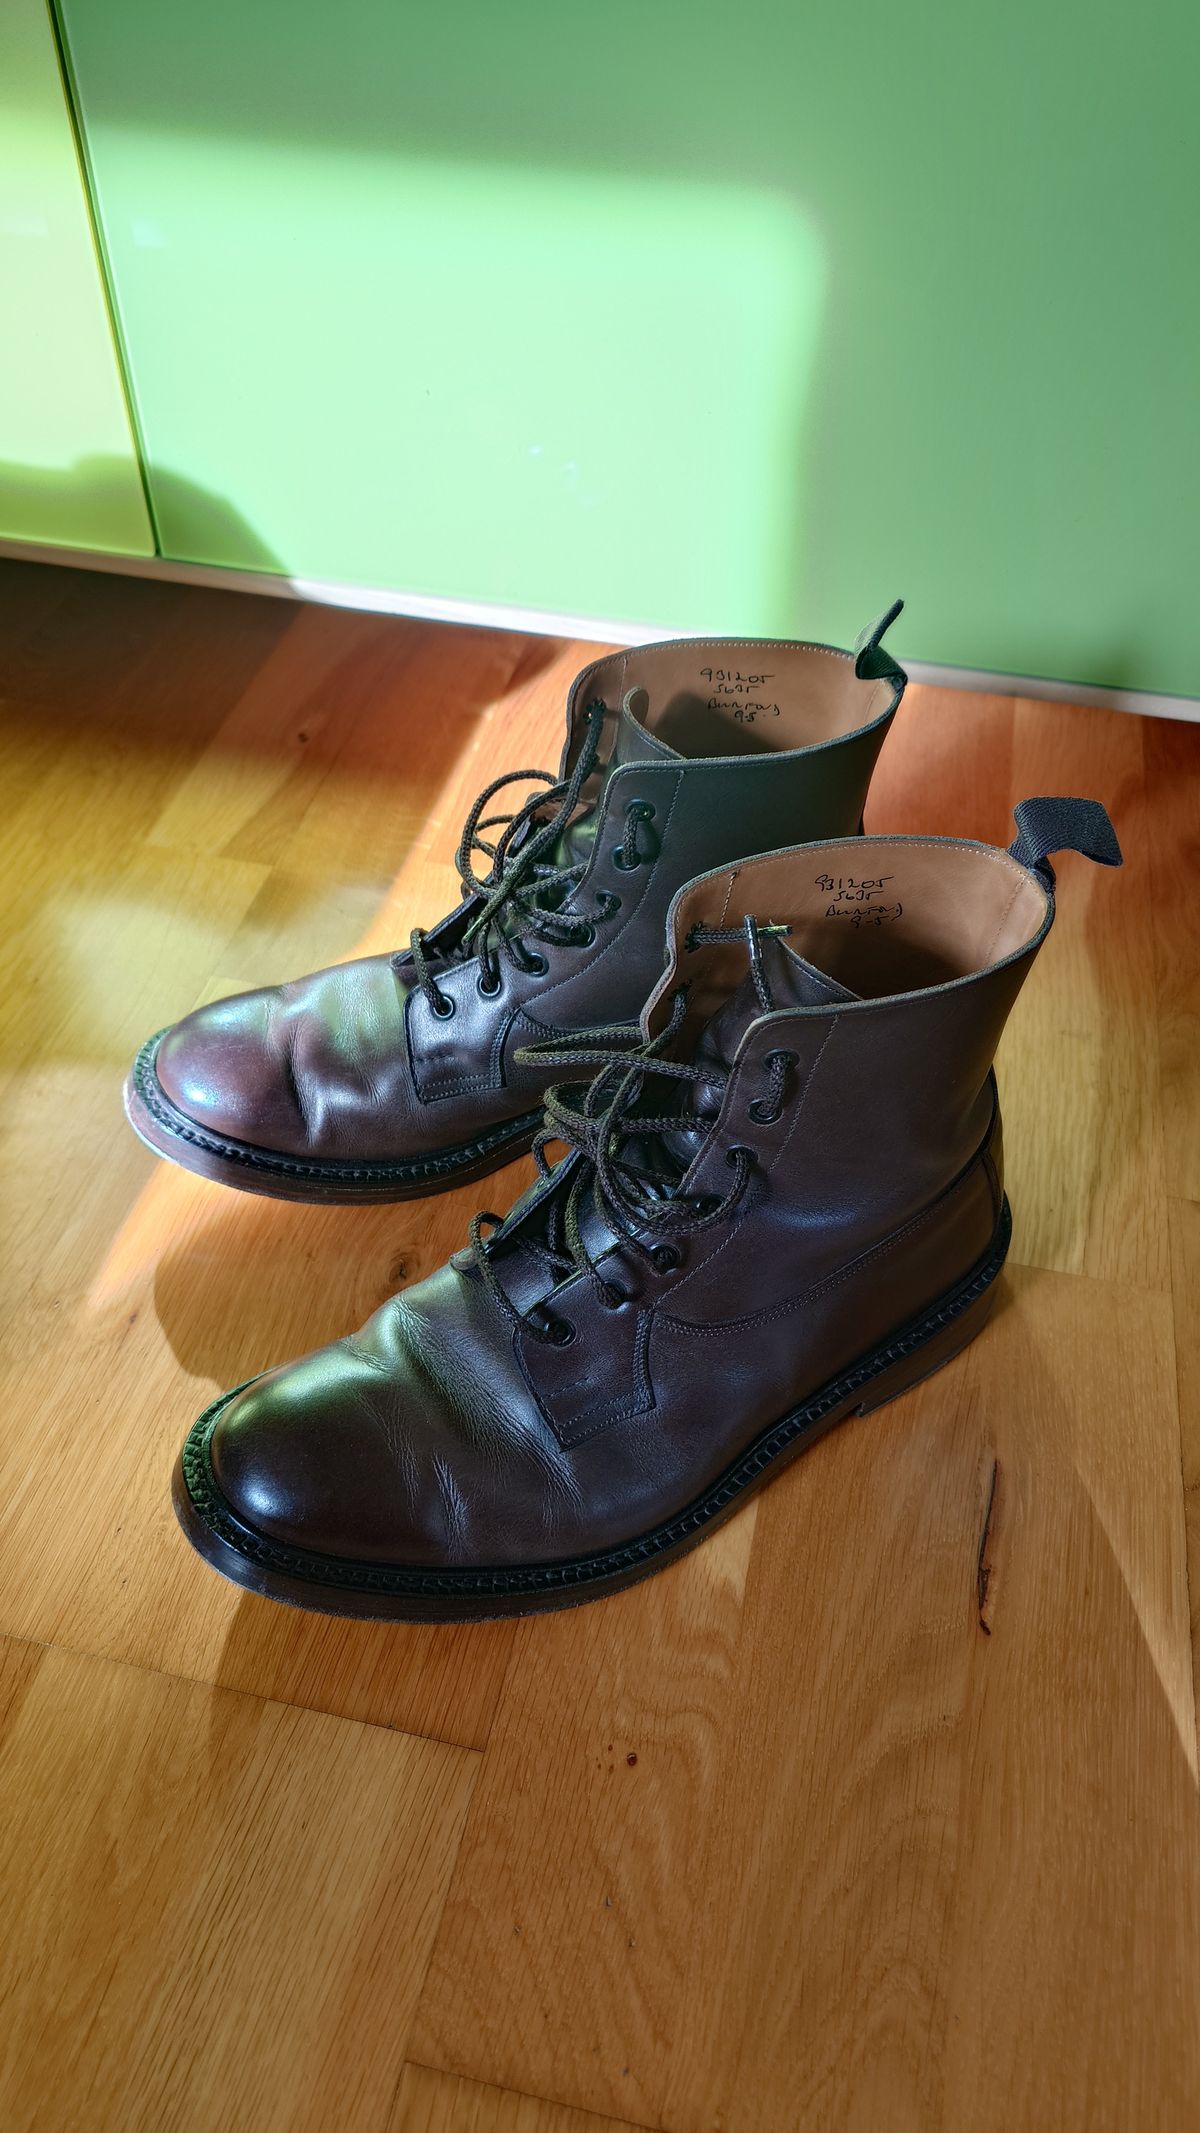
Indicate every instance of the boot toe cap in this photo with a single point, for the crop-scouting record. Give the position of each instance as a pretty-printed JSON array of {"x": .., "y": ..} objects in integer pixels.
[
  {"x": 317, "y": 1067},
  {"x": 411, "y": 1444},
  {"x": 303, "y": 1459},
  {"x": 219, "y": 1068}
]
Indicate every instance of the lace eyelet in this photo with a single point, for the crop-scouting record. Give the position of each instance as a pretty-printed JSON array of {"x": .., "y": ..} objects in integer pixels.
[
  {"x": 443, "y": 1007},
  {"x": 616, "y": 1299},
  {"x": 636, "y": 811},
  {"x": 762, "y": 1111},
  {"x": 732, "y": 1155},
  {"x": 607, "y": 904},
  {"x": 486, "y": 991},
  {"x": 536, "y": 964},
  {"x": 666, "y": 1258},
  {"x": 587, "y": 938},
  {"x": 559, "y": 1332}
]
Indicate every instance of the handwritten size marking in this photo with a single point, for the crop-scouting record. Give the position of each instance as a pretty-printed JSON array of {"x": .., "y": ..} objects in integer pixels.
[
  {"x": 864, "y": 914},
  {"x": 730, "y": 681},
  {"x": 850, "y": 888},
  {"x": 854, "y": 898},
  {"x": 733, "y": 689}
]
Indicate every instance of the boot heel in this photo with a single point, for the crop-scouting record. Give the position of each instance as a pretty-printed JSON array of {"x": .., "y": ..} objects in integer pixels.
[{"x": 929, "y": 1355}]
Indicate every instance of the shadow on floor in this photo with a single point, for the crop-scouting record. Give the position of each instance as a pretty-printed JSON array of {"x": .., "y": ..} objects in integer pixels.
[{"x": 254, "y": 1282}]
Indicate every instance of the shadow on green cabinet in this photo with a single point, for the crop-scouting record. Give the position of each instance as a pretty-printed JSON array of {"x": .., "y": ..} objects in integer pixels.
[{"x": 690, "y": 316}]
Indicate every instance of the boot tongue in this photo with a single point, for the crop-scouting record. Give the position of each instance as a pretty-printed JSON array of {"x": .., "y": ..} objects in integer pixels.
[
  {"x": 660, "y": 1160},
  {"x": 791, "y": 982},
  {"x": 624, "y": 740}
]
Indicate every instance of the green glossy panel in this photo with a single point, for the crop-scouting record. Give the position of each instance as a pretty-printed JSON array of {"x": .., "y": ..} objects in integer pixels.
[
  {"x": 68, "y": 472},
  {"x": 693, "y": 316}
]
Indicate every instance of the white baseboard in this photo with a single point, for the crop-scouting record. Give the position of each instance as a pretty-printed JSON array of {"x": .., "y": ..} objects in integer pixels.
[
  {"x": 1148, "y": 703},
  {"x": 545, "y": 622},
  {"x": 372, "y": 599}
]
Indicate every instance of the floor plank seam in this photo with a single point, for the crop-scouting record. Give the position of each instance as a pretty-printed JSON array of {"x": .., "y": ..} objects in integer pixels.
[
  {"x": 551, "y": 2103},
  {"x": 201, "y": 1681}
]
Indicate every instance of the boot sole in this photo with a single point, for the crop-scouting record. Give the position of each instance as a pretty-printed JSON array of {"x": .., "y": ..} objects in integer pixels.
[
  {"x": 172, "y": 1134},
  {"x": 326, "y": 1586}
]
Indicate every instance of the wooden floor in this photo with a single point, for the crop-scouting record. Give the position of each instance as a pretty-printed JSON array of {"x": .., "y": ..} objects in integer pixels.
[{"x": 879, "y": 1811}]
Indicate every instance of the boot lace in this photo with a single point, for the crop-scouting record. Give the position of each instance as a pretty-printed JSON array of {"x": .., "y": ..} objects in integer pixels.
[
  {"x": 596, "y": 1122},
  {"x": 523, "y": 889}
]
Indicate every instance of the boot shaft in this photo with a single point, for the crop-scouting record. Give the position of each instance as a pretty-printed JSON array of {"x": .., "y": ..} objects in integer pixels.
[
  {"x": 885, "y": 1092},
  {"x": 738, "y": 745},
  {"x": 729, "y": 698},
  {"x": 701, "y": 760},
  {"x": 852, "y": 1176},
  {"x": 397, "y": 1074}
]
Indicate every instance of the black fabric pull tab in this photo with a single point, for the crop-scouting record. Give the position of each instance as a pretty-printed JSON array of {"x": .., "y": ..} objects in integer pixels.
[
  {"x": 1063, "y": 825},
  {"x": 871, "y": 662}
]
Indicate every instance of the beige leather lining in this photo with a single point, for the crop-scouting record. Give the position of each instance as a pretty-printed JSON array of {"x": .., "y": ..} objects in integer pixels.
[
  {"x": 881, "y": 916},
  {"x": 725, "y": 698}
]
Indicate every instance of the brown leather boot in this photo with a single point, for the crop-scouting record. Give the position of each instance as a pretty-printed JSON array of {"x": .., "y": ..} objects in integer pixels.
[
  {"x": 398, "y": 1075},
  {"x": 784, "y": 1208}
]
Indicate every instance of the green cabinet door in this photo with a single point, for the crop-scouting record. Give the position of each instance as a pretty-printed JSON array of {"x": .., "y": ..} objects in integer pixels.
[
  {"x": 674, "y": 314},
  {"x": 68, "y": 470}
]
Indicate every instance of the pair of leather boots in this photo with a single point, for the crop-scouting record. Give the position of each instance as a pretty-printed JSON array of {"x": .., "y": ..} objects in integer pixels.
[{"x": 781, "y": 1202}]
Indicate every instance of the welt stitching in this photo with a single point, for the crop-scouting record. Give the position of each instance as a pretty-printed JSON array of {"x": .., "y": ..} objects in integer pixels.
[
  {"x": 324, "y": 1168},
  {"x": 497, "y": 1580}
]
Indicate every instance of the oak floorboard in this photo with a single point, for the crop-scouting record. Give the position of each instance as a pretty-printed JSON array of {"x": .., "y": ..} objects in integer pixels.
[
  {"x": 1173, "y": 841},
  {"x": 428, "y": 2102},
  {"x": 1079, "y": 1067},
  {"x": 128, "y": 907},
  {"x": 225, "y": 1904},
  {"x": 880, "y": 1810},
  {"x": 1184, "y": 1220},
  {"x": 946, "y": 768},
  {"x": 1083, "y": 1115},
  {"x": 904, "y": 1843}
]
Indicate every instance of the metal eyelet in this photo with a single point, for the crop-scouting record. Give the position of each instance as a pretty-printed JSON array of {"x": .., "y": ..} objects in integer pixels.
[
  {"x": 536, "y": 964},
  {"x": 559, "y": 1332},
  {"x": 607, "y": 904},
  {"x": 486, "y": 991},
  {"x": 732, "y": 1154},
  {"x": 587, "y": 938},
  {"x": 443, "y": 1007},
  {"x": 623, "y": 865},
  {"x": 666, "y": 1258}
]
